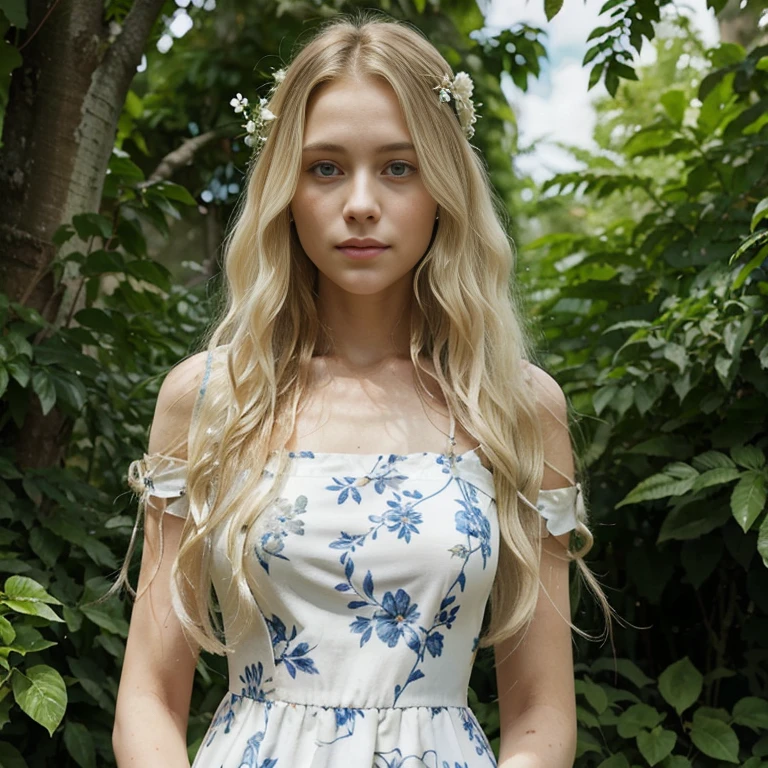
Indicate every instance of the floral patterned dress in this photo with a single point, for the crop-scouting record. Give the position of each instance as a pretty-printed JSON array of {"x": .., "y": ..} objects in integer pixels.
[{"x": 376, "y": 571}]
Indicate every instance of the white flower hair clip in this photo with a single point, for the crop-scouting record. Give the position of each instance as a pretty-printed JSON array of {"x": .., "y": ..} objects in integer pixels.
[
  {"x": 460, "y": 88},
  {"x": 256, "y": 118}
]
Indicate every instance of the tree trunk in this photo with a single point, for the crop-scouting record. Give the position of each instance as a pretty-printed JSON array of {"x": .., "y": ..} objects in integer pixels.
[{"x": 64, "y": 104}]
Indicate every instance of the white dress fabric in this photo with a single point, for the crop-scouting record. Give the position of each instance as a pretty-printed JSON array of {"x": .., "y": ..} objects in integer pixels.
[{"x": 376, "y": 571}]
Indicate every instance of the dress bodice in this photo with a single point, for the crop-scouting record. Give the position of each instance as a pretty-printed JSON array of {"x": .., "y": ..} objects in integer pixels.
[{"x": 374, "y": 572}]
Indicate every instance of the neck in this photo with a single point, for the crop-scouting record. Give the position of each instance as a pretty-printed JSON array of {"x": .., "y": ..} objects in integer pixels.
[{"x": 366, "y": 330}]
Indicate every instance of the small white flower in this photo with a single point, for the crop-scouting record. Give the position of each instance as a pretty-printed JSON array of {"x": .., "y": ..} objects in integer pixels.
[
  {"x": 463, "y": 86},
  {"x": 266, "y": 115},
  {"x": 248, "y": 141},
  {"x": 250, "y": 126},
  {"x": 279, "y": 75},
  {"x": 461, "y": 89},
  {"x": 238, "y": 103}
]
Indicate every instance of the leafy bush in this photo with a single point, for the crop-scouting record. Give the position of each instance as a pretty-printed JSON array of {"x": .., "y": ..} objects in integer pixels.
[{"x": 656, "y": 326}]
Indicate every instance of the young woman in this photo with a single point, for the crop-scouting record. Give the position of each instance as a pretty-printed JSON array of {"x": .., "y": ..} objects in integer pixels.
[{"x": 363, "y": 459}]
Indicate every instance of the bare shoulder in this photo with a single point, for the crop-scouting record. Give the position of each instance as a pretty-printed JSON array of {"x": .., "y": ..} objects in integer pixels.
[
  {"x": 552, "y": 410},
  {"x": 549, "y": 394},
  {"x": 175, "y": 404}
]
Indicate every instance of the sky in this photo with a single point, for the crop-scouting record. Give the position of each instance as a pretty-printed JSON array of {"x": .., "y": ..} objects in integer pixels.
[{"x": 558, "y": 106}]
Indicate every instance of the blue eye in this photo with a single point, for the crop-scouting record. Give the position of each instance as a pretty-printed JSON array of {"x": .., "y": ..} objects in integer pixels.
[
  {"x": 393, "y": 163},
  {"x": 318, "y": 165},
  {"x": 403, "y": 163}
]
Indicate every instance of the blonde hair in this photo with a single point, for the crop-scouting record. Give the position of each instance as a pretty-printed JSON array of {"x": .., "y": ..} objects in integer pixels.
[{"x": 465, "y": 319}]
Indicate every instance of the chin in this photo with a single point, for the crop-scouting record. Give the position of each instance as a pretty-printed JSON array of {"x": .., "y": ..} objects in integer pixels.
[{"x": 361, "y": 284}]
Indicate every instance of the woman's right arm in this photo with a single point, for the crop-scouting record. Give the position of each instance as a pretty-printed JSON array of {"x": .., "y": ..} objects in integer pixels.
[{"x": 152, "y": 710}]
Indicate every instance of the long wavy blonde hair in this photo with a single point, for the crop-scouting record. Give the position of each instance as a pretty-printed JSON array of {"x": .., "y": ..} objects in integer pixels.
[{"x": 465, "y": 319}]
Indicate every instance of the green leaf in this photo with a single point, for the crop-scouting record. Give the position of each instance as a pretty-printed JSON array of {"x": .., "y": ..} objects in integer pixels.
[
  {"x": 7, "y": 632},
  {"x": 16, "y": 12},
  {"x": 735, "y": 333},
  {"x": 753, "y": 240},
  {"x": 718, "y": 476},
  {"x": 89, "y": 225},
  {"x": 29, "y": 640},
  {"x": 761, "y": 212},
  {"x": 79, "y": 744},
  {"x": 648, "y": 139},
  {"x": 94, "y": 318},
  {"x": 676, "y": 354},
  {"x": 762, "y": 541},
  {"x": 125, "y": 169},
  {"x": 151, "y": 272},
  {"x": 636, "y": 718},
  {"x": 656, "y": 745},
  {"x": 748, "y": 499},
  {"x": 715, "y": 738},
  {"x": 752, "y": 712},
  {"x": 593, "y": 693},
  {"x": 174, "y": 192},
  {"x": 750, "y": 267},
  {"x": 101, "y": 262},
  {"x": 676, "y": 479},
  {"x": 615, "y": 761},
  {"x": 680, "y": 684},
  {"x": 677, "y": 761},
  {"x": 689, "y": 522},
  {"x": 748, "y": 456},
  {"x": 24, "y": 588},
  {"x": 674, "y": 103},
  {"x": 552, "y": 8},
  {"x": 625, "y": 668},
  {"x": 594, "y": 75},
  {"x": 603, "y": 397},
  {"x": 106, "y": 619},
  {"x": 44, "y": 389},
  {"x": 712, "y": 460},
  {"x": 41, "y": 694},
  {"x": 10, "y": 757}
]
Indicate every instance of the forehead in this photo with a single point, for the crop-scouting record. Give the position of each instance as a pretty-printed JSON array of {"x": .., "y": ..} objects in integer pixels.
[{"x": 356, "y": 109}]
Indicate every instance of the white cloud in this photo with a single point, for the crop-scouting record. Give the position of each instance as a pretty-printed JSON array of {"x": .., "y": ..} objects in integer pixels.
[{"x": 558, "y": 106}]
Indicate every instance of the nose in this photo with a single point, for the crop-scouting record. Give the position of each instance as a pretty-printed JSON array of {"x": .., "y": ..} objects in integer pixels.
[{"x": 362, "y": 203}]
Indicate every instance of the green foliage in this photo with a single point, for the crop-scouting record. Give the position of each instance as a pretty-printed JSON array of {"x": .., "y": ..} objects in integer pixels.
[
  {"x": 65, "y": 528},
  {"x": 653, "y": 313}
]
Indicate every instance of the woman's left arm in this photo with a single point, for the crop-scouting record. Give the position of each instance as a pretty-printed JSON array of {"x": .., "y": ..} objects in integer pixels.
[{"x": 535, "y": 677}]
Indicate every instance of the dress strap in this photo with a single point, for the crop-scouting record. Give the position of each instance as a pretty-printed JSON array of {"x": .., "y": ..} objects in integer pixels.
[
  {"x": 451, "y": 434},
  {"x": 203, "y": 386}
]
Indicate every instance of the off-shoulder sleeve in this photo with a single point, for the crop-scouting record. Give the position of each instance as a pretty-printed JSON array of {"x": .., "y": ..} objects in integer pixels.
[
  {"x": 164, "y": 477},
  {"x": 560, "y": 509}
]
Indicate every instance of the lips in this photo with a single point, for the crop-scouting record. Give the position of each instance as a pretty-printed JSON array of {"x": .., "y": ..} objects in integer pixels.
[{"x": 367, "y": 252}]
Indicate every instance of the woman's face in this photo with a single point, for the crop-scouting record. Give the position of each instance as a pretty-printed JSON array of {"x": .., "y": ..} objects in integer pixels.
[{"x": 361, "y": 188}]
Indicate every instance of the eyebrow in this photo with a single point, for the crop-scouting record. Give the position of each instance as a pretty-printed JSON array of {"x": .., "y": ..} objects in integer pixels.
[{"x": 326, "y": 146}]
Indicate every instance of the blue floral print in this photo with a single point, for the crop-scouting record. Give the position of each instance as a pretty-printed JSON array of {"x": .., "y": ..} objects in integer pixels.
[
  {"x": 366, "y": 521},
  {"x": 383, "y": 475},
  {"x": 346, "y": 717},
  {"x": 395, "y": 615},
  {"x": 252, "y": 679},
  {"x": 293, "y": 659}
]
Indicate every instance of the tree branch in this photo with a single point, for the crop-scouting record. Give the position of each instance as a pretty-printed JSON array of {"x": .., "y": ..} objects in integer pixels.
[{"x": 183, "y": 155}]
